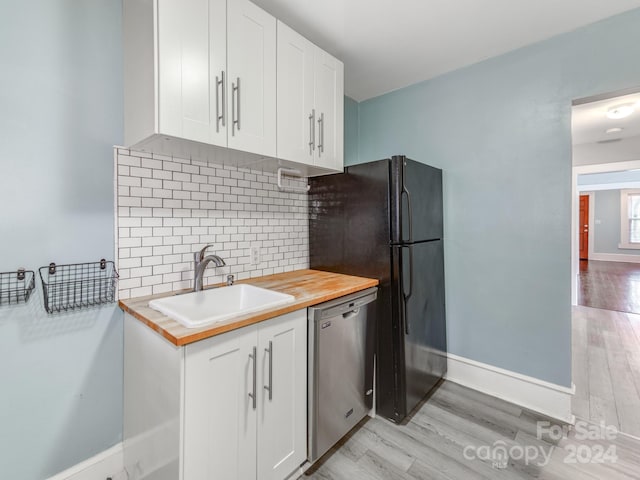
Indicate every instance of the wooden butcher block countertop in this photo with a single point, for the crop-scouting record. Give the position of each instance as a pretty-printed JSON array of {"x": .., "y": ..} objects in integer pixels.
[{"x": 309, "y": 287}]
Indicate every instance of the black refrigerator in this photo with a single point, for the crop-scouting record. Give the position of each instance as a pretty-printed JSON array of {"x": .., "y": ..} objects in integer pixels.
[{"x": 383, "y": 220}]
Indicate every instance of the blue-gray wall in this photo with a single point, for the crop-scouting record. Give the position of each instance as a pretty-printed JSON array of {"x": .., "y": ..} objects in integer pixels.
[
  {"x": 501, "y": 130},
  {"x": 351, "y": 135},
  {"x": 606, "y": 231},
  {"x": 60, "y": 113}
]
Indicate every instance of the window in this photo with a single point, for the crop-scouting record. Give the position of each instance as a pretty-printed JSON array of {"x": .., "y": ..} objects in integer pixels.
[{"x": 630, "y": 218}]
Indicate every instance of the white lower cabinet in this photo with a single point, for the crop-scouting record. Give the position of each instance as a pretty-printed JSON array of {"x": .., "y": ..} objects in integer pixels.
[{"x": 237, "y": 403}]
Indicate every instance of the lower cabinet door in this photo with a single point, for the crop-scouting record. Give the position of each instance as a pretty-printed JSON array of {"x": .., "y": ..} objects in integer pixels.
[
  {"x": 219, "y": 415},
  {"x": 282, "y": 409}
]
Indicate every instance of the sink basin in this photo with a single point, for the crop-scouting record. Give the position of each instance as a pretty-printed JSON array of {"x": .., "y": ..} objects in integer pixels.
[{"x": 217, "y": 304}]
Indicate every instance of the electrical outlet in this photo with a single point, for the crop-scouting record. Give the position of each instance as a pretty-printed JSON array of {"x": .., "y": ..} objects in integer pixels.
[{"x": 255, "y": 255}]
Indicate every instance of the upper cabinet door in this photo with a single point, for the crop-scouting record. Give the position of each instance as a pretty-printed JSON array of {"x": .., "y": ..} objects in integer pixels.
[
  {"x": 329, "y": 101},
  {"x": 251, "y": 86},
  {"x": 296, "y": 112},
  {"x": 192, "y": 44}
]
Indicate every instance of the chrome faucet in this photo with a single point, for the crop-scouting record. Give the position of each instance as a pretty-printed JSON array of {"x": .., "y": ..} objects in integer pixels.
[{"x": 200, "y": 262}]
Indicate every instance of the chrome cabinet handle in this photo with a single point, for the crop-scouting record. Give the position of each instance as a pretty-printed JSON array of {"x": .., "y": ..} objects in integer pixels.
[
  {"x": 235, "y": 106},
  {"x": 312, "y": 131},
  {"x": 269, "y": 388},
  {"x": 253, "y": 395},
  {"x": 220, "y": 85},
  {"x": 321, "y": 134}
]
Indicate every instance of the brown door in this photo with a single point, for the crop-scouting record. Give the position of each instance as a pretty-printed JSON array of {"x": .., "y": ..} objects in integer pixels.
[{"x": 583, "y": 227}]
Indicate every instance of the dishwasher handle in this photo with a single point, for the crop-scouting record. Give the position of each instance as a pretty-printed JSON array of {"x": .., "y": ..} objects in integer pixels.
[
  {"x": 343, "y": 306},
  {"x": 351, "y": 313}
]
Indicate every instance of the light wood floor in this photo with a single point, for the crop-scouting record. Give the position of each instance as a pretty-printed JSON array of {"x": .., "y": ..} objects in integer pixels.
[
  {"x": 606, "y": 367},
  {"x": 457, "y": 420}
]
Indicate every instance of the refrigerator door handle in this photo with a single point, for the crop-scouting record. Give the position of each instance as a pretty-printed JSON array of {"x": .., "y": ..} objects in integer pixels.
[
  {"x": 406, "y": 192},
  {"x": 405, "y": 295}
]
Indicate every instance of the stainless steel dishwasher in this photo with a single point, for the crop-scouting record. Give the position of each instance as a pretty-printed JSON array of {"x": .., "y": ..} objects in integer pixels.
[{"x": 341, "y": 345}]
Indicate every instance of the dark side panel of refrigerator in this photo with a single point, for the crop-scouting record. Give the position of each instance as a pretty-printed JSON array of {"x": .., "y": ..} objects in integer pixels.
[{"x": 349, "y": 233}]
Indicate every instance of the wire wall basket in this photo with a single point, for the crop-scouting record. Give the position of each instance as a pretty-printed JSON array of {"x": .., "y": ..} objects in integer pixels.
[
  {"x": 78, "y": 285},
  {"x": 17, "y": 286}
]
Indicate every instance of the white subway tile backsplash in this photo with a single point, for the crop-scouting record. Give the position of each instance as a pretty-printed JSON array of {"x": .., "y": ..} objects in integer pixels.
[
  {"x": 169, "y": 208},
  {"x": 151, "y": 241},
  {"x": 152, "y": 202},
  {"x": 162, "y": 288},
  {"x": 191, "y": 169},
  {"x": 151, "y": 163},
  {"x": 141, "y": 292},
  {"x": 140, "y": 172},
  {"x": 181, "y": 177},
  {"x": 126, "y": 242},
  {"x": 151, "y": 280},
  {"x": 127, "y": 181},
  {"x": 171, "y": 166},
  {"x": 126, "y": 283},
  {"x": 161, "y": 212},
  {"x": 126, "y": 160},
  {"x": 162, "y": 250},
  {"x": 171, "y": 222}
]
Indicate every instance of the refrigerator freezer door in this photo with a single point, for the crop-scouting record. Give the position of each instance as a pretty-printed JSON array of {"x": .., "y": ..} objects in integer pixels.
[
  {"x": 420, "y": 297},
  {"x": 416, "y": 201}
]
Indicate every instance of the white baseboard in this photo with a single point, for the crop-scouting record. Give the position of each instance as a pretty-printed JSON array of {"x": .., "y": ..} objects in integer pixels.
[
  {"x": 615, "y": 257},
  {"x": 109, "y": 463},
  {"x": 543, "y": 397}
]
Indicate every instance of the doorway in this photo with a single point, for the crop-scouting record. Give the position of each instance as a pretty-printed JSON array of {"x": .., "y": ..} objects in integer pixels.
[{"x": 605, "y": 262}]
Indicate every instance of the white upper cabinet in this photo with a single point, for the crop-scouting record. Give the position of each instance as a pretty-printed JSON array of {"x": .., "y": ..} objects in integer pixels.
[
  {"x": 204, "y": 74},
  {"x": 329, "y": 100},
  {"x": 296, "y": 125},
  {"x": 200, "y": 70},
  {"x": 175, "y": 54},
  {"x": 192, "y": 53},
  {"x": 251, "y": 86},
  {"x": 310, "y": 102}
]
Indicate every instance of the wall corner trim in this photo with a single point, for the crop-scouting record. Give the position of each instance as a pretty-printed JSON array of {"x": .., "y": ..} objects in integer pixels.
[
  {"x": 534, "y": 394},
  {"x": 108, "y": 463}
]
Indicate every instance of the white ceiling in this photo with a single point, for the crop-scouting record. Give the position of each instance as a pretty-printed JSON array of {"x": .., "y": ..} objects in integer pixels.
[
  {"x": 389, "y": 44},
  {"x": 589, "y": 122},
  {"x": 592, "y": 144}
]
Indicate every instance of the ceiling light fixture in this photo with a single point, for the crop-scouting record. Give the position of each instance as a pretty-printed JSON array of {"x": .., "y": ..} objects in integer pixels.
[
  {"x": 620, "y": 111},
  {"x": 613, "y": 130}
]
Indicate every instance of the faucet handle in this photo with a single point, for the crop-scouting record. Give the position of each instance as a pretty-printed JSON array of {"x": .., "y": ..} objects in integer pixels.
[{"x": 200, "y": 255}]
